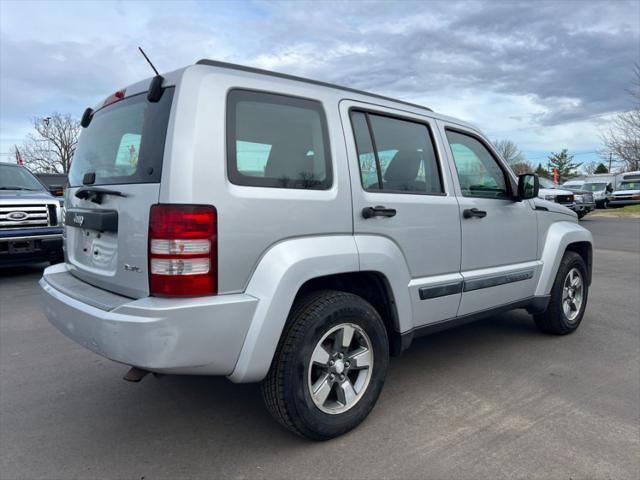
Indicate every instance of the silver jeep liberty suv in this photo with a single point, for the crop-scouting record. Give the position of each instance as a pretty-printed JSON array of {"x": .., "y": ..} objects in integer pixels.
[{"x": 224, "y": 220}]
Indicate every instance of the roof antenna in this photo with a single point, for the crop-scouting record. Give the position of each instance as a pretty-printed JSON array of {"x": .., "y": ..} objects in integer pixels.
[{"x": 155, "y": 87}]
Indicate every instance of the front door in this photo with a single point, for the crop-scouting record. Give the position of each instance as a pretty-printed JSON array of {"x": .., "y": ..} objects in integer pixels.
[
  {"x": 499, "y": 235},
  {"x": 402, "y": 196}
]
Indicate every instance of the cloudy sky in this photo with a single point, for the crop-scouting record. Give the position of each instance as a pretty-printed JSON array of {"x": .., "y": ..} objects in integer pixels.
[{"x": 547, "y": 75}]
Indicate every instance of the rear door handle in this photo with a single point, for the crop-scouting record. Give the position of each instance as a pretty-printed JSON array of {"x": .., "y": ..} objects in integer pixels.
[
  {"x": 473, "y": 212},
  {"x": 378, "y": 211}
]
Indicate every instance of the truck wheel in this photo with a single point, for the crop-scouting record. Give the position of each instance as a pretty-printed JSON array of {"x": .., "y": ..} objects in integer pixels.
[
  {"x": 329, "y": 367},
  {"x": 568, "y": 297}
]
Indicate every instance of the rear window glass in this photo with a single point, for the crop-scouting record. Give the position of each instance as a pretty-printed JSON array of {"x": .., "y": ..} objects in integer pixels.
[
  {"x": 277, "y": 141},
  {"x": 124, "y": 143}
]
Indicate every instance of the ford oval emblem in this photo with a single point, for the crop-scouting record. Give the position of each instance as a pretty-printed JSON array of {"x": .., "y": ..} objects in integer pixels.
[{"x": 17, "y": 216}]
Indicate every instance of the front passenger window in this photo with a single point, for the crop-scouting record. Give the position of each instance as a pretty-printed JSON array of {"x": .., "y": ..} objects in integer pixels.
[{"x": 478, "y": 171}]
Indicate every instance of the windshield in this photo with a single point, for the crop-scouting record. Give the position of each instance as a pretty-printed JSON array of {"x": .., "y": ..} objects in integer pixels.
[
  {"x": 629, "y": 186},
  {"x": 17, "y": 178},
  {"x": 594, "y": 187},
  {"x": 546, "y": 183},
  {"x": 124, "y": 143}
]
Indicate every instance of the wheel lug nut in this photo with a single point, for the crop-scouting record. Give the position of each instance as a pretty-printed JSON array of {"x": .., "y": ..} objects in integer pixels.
[
  {"x": 341, "y": 377},
  {"x": 332, "y": 377},
  {"x": 346, "y": 364},
  {"x": 331, "y": 362}
]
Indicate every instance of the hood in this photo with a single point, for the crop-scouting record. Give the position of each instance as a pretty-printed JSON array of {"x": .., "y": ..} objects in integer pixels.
[
  {"x": 548, "y": 206},
  {"x": 553, "y": 191},
  {"x": 20, "y": 195},
  {"x": 626, "y": 192}
]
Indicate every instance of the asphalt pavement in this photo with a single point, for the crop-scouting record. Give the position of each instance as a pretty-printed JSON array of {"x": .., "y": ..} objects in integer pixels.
[{"x": 494, "y": 399}]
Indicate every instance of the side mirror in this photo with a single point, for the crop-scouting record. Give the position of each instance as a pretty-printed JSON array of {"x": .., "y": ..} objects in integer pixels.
[
  {"x": 609, "y": 188},
  {"x": 528, "y": 186}
]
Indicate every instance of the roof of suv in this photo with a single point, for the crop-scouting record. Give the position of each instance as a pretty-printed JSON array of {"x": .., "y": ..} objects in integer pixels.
[{"x": 234, "y": 66}]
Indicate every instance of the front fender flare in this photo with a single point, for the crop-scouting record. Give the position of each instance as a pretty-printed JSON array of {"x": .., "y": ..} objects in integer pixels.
[{"x": 559, "y": 236}]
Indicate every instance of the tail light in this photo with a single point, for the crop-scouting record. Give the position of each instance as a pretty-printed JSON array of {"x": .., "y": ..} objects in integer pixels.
[{"x": 182, "y": 250}]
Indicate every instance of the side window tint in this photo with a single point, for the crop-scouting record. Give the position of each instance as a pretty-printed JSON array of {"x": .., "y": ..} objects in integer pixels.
[
  {"x": 366, "y": 157},
  {"x": 399, "y": 158},
  {"x": 478, "y": 171},
  {"x": 277, "y": 141}
]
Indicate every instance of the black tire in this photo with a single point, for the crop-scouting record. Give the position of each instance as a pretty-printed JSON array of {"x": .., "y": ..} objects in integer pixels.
[
  {"x": 581, "y": 215},
  {"x": 286, "y": 389},
  {"x": 554, "y": 320},
  {"x": 605, "y": 204}
]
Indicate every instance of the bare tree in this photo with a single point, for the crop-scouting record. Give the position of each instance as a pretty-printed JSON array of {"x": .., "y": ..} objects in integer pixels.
[
  {"x": 509, "y": 151},
  {"x": 50, "y": 148},
  {"x": 590, "y": 167},
  {"x": 623, "y": 139},
  {"x": 513, "y": 156}
]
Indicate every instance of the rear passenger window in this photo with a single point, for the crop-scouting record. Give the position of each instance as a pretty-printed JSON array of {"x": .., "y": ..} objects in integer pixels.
[
  {"x": 395, "y": 155},
  {"x": 277, "y": 141}
]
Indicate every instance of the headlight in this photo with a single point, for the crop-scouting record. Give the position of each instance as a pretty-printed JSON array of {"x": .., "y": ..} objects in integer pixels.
[{"x": 551, "y": 198}]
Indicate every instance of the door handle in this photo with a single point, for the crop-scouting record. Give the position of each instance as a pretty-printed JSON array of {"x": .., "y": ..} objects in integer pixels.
[
  {"x": 378, "y": 211},
  {"x": 473, "y": 212}
]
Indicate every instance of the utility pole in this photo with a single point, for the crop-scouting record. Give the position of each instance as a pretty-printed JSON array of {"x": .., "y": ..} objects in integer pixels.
[
  {"x": 46, "y": 121},
  {"x": 609, "y": 162}
]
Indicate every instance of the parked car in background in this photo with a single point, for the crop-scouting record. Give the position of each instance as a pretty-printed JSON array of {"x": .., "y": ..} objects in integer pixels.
[
  {"x": 600, "y": 190},
  {"x": 627, "y": 193},
  {"x": 225, "y": 220},
  {"x": 573, "y": 184},
  {"x": 30, "y": 219},
  {"x": 573, "y": 198}
]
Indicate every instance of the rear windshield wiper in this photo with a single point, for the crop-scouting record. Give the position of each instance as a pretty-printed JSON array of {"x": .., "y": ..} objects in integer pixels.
[
  {"x": 96, "y": 194},
  {"x": 18, "y": 188}
]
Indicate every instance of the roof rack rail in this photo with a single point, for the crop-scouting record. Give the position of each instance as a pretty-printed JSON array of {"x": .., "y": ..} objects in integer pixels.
[{"x": 234, "y": 66}]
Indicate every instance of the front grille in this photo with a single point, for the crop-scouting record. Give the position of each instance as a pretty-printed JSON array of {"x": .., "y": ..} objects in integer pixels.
[
  {"x": 26, "y": 216},
  {"x": 584, "y": 198}
]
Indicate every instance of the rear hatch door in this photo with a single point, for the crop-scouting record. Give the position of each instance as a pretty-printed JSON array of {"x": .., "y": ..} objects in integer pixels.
[{"x": 114, "y": 180}]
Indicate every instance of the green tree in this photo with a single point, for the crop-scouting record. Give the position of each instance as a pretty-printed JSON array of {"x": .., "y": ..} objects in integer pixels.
[
  {"x": 541, "y": 171},
  {"x": 565, "y": 165},
  {"x": 601, "y": 168}
]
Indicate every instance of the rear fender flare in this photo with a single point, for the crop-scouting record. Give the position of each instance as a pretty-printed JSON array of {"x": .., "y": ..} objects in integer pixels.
[{"x": 275, "y": 282}]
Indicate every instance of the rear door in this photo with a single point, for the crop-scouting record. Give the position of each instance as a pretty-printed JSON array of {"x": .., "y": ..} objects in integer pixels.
[
  {"x": 114, "y": 180},
  {"x": 402, "y": 192}
]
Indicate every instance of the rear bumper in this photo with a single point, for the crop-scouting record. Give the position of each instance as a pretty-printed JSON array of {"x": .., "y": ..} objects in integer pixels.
[
  {"x": 188, "y": 336},
  {"x": 30, "y": 246}
]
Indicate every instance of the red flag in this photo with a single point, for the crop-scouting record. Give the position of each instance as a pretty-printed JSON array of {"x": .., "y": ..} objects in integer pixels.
[
  {"x": 19, "y": 157},
  {"x": 555, "y": 176}
]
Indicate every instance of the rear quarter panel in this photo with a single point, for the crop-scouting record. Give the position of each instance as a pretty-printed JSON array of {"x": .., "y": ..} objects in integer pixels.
[{"x": 250, "y": 219}]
